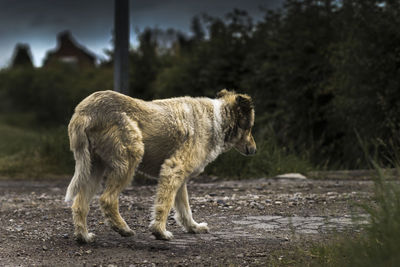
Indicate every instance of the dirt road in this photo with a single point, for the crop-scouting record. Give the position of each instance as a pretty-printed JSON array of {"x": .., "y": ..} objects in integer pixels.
[{"x": 250, "y": 222}]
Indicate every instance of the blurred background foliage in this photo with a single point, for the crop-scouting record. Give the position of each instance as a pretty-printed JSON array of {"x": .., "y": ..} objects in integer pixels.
[{"x": 323, "y": 74}]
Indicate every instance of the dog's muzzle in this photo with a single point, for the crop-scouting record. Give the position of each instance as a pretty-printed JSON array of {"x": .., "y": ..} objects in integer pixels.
[{"x": 251, "y": 150}]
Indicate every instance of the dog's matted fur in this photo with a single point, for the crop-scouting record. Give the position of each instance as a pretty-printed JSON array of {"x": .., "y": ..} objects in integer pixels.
[{"x": 112, "y": 135}]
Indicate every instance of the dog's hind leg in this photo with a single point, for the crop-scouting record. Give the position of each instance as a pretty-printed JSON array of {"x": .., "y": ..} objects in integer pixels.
[
  {"x": 125, "y": 151},
  {"x": 117, "y": 180},
  {"x": 184, "y": 214},
  {"x": 80, "y": 207}
]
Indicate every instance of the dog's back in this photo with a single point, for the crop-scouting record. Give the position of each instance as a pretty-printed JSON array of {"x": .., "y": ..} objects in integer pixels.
[{"x": 164, "y": 124}]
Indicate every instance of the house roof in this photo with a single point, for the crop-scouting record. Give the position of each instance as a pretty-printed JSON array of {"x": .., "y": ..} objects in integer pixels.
[{"x": 67, "y": 46}]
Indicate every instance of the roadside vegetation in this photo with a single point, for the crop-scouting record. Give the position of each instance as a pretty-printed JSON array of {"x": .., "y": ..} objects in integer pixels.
[
  {"x": 377, "y": 244},
  {"x": 28, "y": 152}
]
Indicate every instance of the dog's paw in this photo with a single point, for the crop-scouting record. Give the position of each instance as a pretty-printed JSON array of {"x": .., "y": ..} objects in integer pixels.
[
  {"x": 84, "y": 238},
  {"x": 164, "y": 235},
  {"x": 159, "y": 233},
  {"x": 125, "y": 232},
  {"x": 199, "y": 228}
]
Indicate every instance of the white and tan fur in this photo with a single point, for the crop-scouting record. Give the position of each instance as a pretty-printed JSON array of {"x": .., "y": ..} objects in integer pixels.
[{"x": 113, "y": 135}]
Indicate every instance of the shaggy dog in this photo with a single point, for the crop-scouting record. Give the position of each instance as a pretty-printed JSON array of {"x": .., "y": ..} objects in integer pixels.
[{"x": 112, "y": 135}]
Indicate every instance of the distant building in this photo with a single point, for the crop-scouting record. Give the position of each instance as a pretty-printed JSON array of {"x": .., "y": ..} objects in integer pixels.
[
  {"x": 70, "y": 52},
  {"x": 22, "y": 56}
]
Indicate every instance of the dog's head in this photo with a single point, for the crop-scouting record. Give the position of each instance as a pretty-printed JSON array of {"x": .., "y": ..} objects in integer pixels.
[{"x": 239, "y": 132}]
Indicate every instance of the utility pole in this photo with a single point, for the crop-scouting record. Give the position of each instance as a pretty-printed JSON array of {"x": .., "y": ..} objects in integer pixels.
[{"x": 121, "y": 46}]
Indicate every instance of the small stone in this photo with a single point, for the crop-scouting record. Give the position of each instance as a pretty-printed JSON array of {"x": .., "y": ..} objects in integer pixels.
[
  {"x": 44, "y": 248},
  {"x": 259, "y": 206},
  {"x": 65, "y": 236},
  {"x": 220, "y": 202},
  {"x": 291, "y": 176},
  {"x": 88, "y": 251}
]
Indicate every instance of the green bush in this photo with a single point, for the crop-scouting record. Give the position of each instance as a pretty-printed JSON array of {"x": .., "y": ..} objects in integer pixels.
[{"x": 51, "y": 94}]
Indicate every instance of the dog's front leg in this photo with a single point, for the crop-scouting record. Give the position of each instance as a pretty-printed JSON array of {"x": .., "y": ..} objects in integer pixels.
[
  {"x": 184, "y": 214},
  {"x": 172, "y": 175}
]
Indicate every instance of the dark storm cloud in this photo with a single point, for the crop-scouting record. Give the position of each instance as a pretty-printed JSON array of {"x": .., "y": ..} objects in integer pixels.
[
  {"x": 31, "y": 15},
  {"x": 38, "y": 21}
]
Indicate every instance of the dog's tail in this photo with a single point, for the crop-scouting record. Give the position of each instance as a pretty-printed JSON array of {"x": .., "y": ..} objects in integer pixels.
[{"x": 79, "y": 144}]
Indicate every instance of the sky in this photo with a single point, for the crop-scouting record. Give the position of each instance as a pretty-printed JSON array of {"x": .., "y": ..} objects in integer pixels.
[{"x": 37, "y": 22}]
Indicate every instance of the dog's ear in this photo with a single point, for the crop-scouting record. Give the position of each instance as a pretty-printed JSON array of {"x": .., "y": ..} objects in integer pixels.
[
  {"x": 245, "y": 104},
  {"x": 245, "y": 107},
  {"x": 222, "y": 93}
]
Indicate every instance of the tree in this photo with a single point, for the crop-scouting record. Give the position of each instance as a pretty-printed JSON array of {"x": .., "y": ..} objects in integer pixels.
[{"x": 22, "y": 56}]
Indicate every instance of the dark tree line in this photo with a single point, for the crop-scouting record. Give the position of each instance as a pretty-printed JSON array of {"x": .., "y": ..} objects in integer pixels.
[{"x": 323, "y": 74}]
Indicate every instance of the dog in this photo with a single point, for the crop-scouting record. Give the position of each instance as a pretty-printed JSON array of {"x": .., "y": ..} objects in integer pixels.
[{"x": 113, "y": 135}]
